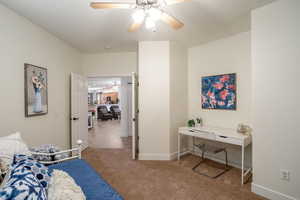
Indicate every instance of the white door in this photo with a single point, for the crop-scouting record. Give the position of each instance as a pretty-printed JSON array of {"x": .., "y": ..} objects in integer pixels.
[
  {"x": 79, "y": 110},
  {"x": 135, "y": 137}
]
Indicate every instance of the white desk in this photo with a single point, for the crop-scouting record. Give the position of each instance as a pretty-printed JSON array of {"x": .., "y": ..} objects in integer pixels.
[{"x": 225, "y": 135}]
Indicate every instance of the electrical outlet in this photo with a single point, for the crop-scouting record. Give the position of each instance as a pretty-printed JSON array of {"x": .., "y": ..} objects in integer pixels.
[{"x": 285, "y": 175}]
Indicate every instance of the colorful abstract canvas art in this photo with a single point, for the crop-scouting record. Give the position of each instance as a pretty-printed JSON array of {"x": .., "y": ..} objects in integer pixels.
[{"x": 219, "y": 92}]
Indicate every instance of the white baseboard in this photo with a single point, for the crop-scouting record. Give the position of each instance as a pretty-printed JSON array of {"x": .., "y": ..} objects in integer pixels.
[
  {"x": 268, "y": 193},
  {"x": 154, "y": 156},
  {"x": 173, "y": 156},
  {"x": 158, "y": 156}
]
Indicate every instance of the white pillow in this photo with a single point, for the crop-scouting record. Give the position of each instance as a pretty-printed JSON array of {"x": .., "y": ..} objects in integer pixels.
[
  {"x": 63, "y": 187},
  {"x": 10, "y": 145}
]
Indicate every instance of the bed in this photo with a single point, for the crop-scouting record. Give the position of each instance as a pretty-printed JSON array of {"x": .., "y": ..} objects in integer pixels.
[{"x": 91, "y": 183}]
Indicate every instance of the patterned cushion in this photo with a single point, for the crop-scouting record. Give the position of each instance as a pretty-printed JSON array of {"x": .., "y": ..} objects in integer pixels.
[
  {"x": 22, "y": 185},
  {"x": 48, "y": 148},
  {"x": 39, "y": 170}
]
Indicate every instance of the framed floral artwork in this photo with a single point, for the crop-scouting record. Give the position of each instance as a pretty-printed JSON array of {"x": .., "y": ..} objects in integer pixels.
[
  {"x": 36, "y": 90},
  {"x": 219, "y": 92}
]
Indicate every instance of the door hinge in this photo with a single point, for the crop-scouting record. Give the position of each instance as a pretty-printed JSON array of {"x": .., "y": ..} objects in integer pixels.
[{"x": 137, "y": 111}]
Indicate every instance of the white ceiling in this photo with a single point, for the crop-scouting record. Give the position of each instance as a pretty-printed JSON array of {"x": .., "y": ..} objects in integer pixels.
[{"x": 91, "y": 30}]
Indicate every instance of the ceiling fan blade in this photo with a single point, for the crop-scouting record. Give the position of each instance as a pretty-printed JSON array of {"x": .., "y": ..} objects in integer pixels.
[
  {"x": 171, "y": 2},
  {"x": 134, "y": 27},
  {"x": 105, "y": 5},
  {"x": 172, "y": 21}
]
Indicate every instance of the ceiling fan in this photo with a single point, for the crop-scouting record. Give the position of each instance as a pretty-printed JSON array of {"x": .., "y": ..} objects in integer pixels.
[{"x": 146, "y": 11}]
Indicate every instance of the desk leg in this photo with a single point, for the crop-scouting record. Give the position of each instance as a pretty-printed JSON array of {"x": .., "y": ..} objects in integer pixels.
[
  {"x": 179, "y": 149},
  {"x": 243, "y": 157},
  {"x": 193, "y": 144}
]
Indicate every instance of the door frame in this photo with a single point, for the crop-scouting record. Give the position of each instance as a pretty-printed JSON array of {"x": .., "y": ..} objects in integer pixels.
[
  {"x": 121, "y": 76},
  {"x": 73, "y": 138},
  {"x": 135, "y": 115}
]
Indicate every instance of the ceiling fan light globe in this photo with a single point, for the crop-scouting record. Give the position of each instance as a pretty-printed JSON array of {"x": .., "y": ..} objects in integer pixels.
[
  {"x": 138, "y": 16},
  {"x": 155, "y": 14},
  {"x": 150, "y": 24},
  {"x": 162, "y": 3}
]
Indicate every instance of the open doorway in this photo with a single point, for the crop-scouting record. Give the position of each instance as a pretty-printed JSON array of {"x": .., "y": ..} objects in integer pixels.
[{"x": 110, "y": 112}]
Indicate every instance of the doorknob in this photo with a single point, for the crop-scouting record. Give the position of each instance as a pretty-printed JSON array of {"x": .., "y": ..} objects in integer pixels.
[{"x": 75, "y": 118}]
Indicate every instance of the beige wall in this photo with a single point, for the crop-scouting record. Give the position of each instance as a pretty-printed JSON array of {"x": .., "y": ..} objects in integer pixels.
[
  {"x": 154, "y": 95},
  {"x": 123, "y": 63},
  {"x": 228, "y": 55},
  {"x": 178, "y": 92},
  {"x": 22, "y": 42},
  {"x": 276, "y": 136},
  {"x": 162, "y": 98}
]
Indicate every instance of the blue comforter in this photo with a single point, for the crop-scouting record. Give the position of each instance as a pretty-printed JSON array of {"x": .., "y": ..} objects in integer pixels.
[{"x": 93, "y": 186}]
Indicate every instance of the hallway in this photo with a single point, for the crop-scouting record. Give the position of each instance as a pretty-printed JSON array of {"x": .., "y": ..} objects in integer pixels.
[{"x": 106, "y": 134}]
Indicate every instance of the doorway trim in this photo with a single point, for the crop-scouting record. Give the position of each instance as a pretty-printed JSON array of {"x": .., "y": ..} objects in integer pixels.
[{"x": 121, "y": 76}]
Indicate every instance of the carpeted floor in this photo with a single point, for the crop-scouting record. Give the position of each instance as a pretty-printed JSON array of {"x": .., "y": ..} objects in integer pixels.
[{"x": 164, "y": 180}]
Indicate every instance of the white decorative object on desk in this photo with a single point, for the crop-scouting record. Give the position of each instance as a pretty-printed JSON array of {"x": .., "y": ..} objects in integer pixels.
[{"x": 243, "y": 129}]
